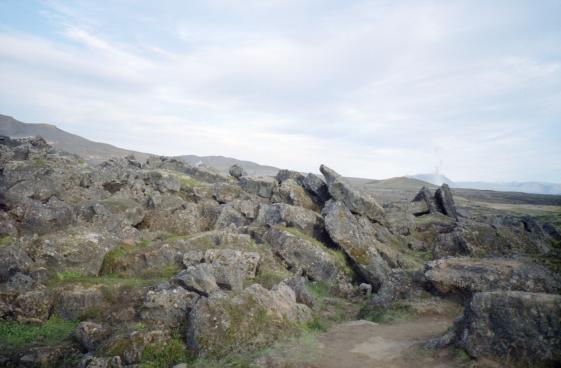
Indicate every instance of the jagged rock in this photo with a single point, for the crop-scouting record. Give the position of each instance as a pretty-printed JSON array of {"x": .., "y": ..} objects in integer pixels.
[
  {"x": 246, "y": 262},
  {"x": 33, "y": 306},
  {"x": 317, "y": 188},
  {"x": 13, "y": 259},
  {"x": 356, "y": 235},
  {"x": 356, "y": 201},
  {"x": 399, "y": 218},
  {"x": 236, "y": 171},
  {"x": 48, "y": 356},
  {"x": 90, "y": 361},
  {"x": 226, "y": 192},
  {"x": 168, "y": 307},
  {"x": 398, "y": 285},
  {"x": 90, "y": 334},
  {"x": 284, "y": 175},
  {"x": 76, "y": 250},
  {"x": 225, "y": 323},
  {"x": 450, "y": 244},
  {"x": 303, "y": 295},
  {"x": 228, "y": 277},
  {"x": 39, "y": 218},
  {"x": 465, "y": 276},
  {"x": 118, "y": 212},
  {"x": 262, "y": 186},
  {"x": 301, "y": 254},
  {"x": 292, "y": 193},
  {"x": 191, "y": 218},
  {"x": 516, "y": 326},
  {"x": 76, "y": 300},
  {"x": 423, "y": 203},
  {"x": 445, "y": 201},
  {"x": 198, "y": 278},
  {"x": 307, "y": 221},
  {"x": 228, "y": 216}
]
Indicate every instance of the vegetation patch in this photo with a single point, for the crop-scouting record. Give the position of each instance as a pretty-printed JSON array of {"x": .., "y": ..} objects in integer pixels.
[
  {"x": 164, "y": 355},
  {"x": 268, "y": 278},
  {"x": 5, "y": 240},
  {"x": 15, "y": 335}
]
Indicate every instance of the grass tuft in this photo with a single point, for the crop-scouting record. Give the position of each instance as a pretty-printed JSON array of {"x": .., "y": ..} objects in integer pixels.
[
  {"x": 164, "y": 355},
  {"x": 15, "y": 335}
]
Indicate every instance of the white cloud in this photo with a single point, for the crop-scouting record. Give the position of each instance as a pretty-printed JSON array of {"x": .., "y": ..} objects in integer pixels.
[{"x": 375, "y": 89}]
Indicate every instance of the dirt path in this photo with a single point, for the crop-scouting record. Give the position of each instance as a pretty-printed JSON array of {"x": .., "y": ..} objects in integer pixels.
[{"x": 367, "y": 344}]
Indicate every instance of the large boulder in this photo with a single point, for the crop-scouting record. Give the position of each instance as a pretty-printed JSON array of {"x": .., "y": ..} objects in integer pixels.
[
  {"x": 198, "y": 278},
  {"x": 464, "y": 276},
  {"x": 518, "y": 327},
  {"x": 305, "y": 220},
  {"x": 291, "y": 192},
  {"x": 284, "y": 175},
  {"x": 307, "y": 255},
  {"x": 236, "y": 171},
  {"x": 445, "y": 201},
  {"x": 227, "y": 323},
  {"x": 80, "y": 250},
  {"x": 317, "y": 188},
  {"x": 168, "y": 307},
  {"x": 356, "y": 235},
  {"x": 262, "y": 186},
  {"x": 355, "y": 200}
]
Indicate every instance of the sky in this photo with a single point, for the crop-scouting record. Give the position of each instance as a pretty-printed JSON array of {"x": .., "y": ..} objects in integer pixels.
[{"x": 377, "y": 89}]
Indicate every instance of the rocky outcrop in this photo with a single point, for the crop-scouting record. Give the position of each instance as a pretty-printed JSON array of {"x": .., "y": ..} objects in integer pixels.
[
  {"x": 307, "y": 221},
  {"x": 168, "y": 307},
  {"x": 356, "y": 235},
  {"x": 517, "y": 327},
  {"x": 227, "y": 323},
  {"x": 91, "y": 334},
  {"x": 445, "y": 201},
  {"x": 308, "y": 256},
  {"x": 356, "y": 201},
  {"x": 465, "y": 276},
  {"x": 236, "y": 171},
  {"x": 262, "y": 186}
]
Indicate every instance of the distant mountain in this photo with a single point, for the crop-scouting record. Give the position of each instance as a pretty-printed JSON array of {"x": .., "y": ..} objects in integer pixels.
[
  {"x": 222, "y": 164},
  {"x": 436, "y": 179},
  {"x": 96, "y": 152},
  {"x": 91, "y": 151},
  {"x": 524, "y": 187}
]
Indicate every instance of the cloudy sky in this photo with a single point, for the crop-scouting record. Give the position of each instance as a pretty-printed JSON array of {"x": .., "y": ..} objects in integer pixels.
[{"x": 372, "y": 88}]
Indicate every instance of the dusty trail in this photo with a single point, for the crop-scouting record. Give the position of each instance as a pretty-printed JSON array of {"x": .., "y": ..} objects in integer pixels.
[{"x": 367, "y": 344}]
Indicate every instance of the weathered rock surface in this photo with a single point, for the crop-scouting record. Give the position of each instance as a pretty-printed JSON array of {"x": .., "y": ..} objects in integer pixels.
[
  {"x": 90, "y": 334},
  {"x": 518, "y": 327},
  {"x": 236, "y": 171},
  {"x": 356, "y": 235},
  {"x": 308, "y": 256},
  {"x": 263, "y": 186},
  {"x": 464, "y": 276},
  {"x": 168, "y": 307},
  {"x": 445, "y": 201},
  {"x": 356, "y": 201},
  {"x": 225, "y": 323},
  {"x": 307, "y": 221}
]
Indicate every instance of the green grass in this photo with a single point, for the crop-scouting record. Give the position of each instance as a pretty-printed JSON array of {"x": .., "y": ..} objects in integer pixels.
[
  {"x": 269, "y": 278},
  {"x": 62, "y": 278},
  {"x": 5, "y": 240},
  {"x": 15, "y": 335},
  {"x": 164, "y": 355},
  {"x": 395, "y": 312},
  {"x": 111, "y": 260}
]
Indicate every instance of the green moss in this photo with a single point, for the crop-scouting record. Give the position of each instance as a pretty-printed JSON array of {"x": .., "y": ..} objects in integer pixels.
[
  {"x": 5, "y": 240},
  {"x": 269, "y": 278},
  {"x": 39, "y": 162},
  {"x": 112, "y": 258},
  {"x": 188, "y": 182},
  {"x": 164, "y": 355},
  {"x": 15, "y": 335},
  {"x": 336, "y": 254}
]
